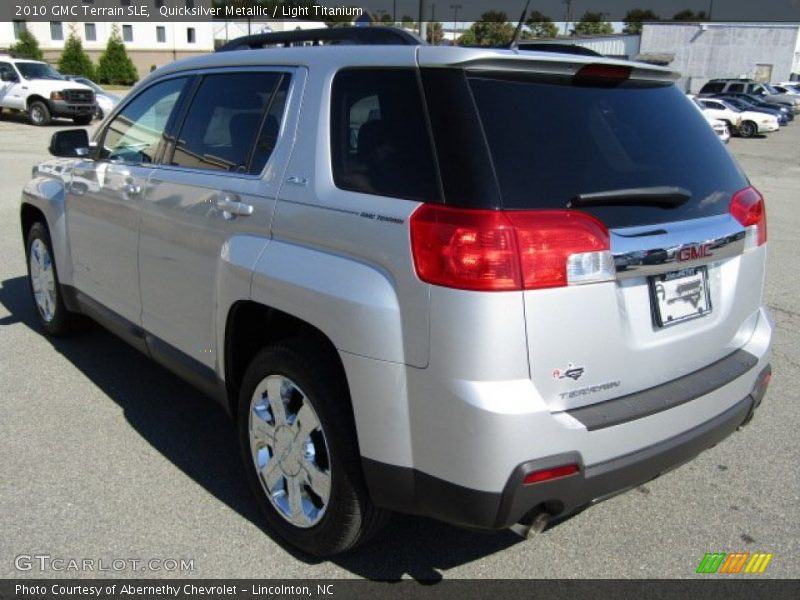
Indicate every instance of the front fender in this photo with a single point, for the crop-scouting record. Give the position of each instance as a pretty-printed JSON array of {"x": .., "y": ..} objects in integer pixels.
[{"x": 46, "y": 191}]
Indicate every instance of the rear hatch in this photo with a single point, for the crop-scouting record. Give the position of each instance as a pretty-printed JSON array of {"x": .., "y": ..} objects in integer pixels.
[{"x": 676, "y": 290}]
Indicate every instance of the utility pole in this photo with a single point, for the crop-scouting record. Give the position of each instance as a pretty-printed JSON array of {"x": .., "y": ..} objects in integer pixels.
[
  {"x": 568, "y": 15},
  {"x": 710, "y": 8},
  {"x": 455, "y": 8},
  {"x": 394, "y": 11},
  {"x": 423, "y": 25}
]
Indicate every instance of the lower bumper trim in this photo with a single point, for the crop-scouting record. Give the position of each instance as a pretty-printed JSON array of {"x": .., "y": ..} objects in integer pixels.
[{"x": 408, "y": 490}]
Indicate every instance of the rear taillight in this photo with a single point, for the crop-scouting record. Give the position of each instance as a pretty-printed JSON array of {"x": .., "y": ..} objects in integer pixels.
[
  {"x": 747, "y": 206},
  {"x": 487, "y": 250}
]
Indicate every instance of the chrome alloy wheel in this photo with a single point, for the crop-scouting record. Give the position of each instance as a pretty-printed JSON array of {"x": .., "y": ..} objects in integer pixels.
[
  {"x": 43, "y": 280},
  {"x": 290, "y": 451}
]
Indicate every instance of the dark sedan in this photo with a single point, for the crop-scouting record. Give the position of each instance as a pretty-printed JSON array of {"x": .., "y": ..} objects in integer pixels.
[
  {"x": 759, "y": 102},
  {"x": 743, "y": 104}
]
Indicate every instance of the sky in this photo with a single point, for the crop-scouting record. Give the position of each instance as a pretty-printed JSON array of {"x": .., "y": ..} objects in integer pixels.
[{"x": 722, "y": 10}]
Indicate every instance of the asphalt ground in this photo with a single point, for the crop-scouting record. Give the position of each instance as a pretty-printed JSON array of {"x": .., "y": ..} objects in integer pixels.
[{"x": 104, "y": 455}]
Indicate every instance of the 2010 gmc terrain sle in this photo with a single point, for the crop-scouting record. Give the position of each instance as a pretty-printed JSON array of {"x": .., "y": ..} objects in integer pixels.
[{"x": 481, "y": 285}]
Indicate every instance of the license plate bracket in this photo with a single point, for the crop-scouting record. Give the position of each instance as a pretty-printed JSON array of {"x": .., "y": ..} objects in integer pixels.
[{"x": 680, "y": 296}]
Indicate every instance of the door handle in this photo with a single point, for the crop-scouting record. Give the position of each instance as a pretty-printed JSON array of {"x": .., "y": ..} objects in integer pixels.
[{"x": 231, "y": 207}]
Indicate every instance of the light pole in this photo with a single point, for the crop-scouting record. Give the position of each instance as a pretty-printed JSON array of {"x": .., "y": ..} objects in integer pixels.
[
  {"x": 568, "y": 15},
  {"x": 455, "y": 8}
]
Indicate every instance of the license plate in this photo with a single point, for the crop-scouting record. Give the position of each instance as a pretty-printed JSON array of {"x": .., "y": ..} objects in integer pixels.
[{"x": 680, "y": 296}]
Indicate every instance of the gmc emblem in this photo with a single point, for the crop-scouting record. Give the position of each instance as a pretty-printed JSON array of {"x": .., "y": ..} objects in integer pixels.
[{"x": 694, "y": 252}]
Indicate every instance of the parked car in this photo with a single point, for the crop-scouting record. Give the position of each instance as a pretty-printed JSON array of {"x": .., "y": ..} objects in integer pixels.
[
  {"x": 39, "y": 90},
  {"x": 759, "y": 102},
  {"x": 106, "y": 101},
  {"x": 745, "y": 123},
  {"x": 742, "y": 104},
  {"x": 748, "y": 86},
  {"x": 565, "y": 303},
  {"x": 788, "y": 87},
  {"x": 720, "y": 127}
]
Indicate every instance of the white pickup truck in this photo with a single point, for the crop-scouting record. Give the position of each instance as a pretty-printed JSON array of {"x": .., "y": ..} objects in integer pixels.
[{"x": 39, "y": 90}]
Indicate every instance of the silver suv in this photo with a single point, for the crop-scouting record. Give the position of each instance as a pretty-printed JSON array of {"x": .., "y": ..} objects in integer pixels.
[{"x": 481, "y": 285}]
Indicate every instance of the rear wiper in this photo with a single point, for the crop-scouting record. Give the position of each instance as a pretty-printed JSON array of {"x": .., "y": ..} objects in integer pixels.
[{"x": 665, "y": 196}]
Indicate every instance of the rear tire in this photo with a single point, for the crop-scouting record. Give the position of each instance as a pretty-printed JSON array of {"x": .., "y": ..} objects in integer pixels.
[
  {"x": 298, "y": 441},
  {"x": 748, "y": 129},
  {"x": 39, "y": 114},
  {"x": 48, "y": 299}
]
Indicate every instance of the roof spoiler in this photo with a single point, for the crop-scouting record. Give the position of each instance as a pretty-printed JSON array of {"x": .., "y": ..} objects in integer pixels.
[{"x": 373, "y": 36}]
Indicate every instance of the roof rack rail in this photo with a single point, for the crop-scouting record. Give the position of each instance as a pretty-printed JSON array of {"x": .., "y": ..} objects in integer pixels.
[{"x": 375, "y": 36}]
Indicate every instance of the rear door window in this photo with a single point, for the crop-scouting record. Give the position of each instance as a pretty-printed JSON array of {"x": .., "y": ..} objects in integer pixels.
[
  {"x": 233, "y": 122},
  {"x": 551, "y": 141}
]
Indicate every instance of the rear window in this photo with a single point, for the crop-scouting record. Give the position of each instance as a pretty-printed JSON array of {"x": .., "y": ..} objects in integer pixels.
[{"x": 550, "y": 142}]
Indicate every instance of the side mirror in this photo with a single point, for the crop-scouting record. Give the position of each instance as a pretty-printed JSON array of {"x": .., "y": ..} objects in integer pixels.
[
  {"x": 8, "y": 76},
  {"x": 70, "y": 143}
]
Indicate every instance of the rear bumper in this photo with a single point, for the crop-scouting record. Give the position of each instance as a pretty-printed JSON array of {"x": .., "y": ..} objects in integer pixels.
[{"x": 411, "y": 491}]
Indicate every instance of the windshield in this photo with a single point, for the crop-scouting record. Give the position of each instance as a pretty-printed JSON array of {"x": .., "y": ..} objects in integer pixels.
[
  {"x": 32, "y": 70},
  {"x": 552, "y": 142}
]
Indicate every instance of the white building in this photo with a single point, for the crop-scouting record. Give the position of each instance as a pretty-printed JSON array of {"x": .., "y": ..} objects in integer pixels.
[
  {"x": 767, "y": 52},
  {"x": 147, "y": 43}
]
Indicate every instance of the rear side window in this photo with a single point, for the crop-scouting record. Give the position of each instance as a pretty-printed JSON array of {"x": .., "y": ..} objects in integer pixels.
[
  {"x": 379, "y": 136},
  {"x": 551, "y": 141},
  {"x": 736, "y": 88},
  {"x": 712, "y": 88},
  {"x": 233, "y": 122}
]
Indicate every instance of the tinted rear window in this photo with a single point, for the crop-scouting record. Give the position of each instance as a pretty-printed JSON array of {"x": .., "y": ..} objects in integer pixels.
[{"x": 550, "y": 142}]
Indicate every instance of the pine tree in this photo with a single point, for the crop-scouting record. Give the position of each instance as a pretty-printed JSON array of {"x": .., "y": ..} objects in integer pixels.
[
  {"x": 115, "y": 66},
  {"x": 27, "y": 46},
  {"x": 74, "y": 60}
]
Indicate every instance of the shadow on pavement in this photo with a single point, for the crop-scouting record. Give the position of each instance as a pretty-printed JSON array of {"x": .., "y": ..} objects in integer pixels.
[{"x": 196, "y": 435}]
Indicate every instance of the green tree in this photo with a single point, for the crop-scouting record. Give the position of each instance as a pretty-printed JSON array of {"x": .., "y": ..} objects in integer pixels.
[
  {"x": 435, "y": 32},
  {"x": 386, "y": 18},
  {"x": 115, "y": 66},
  {"x": 690, "y": 15},
  {"x": 491, "y": 29},
  {"x": 541, "y": 25},
  {"x": 74, "y": 60},
  {"x": 593, "y": 23},
  {"x": 635, "y": 17},
  {"x": 27, "y": 46}
]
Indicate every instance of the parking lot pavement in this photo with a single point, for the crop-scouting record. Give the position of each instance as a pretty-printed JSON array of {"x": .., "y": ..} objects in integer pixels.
[{"x": 107, "y": 456}]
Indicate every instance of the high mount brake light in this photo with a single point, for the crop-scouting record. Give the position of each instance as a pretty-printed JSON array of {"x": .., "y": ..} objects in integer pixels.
[
  {"x": 747, "y": 206},
  {"x": 487, "y": 250},
  {"x": 601, "y": 72}
]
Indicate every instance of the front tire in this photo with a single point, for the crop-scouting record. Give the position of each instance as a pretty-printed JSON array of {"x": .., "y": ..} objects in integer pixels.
[
  {"x": 52, "y": 314},
  {"x": 39, "y": 114},
  {"x": 301, "y": 456},
  {"x": 748, "y": 129}
]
